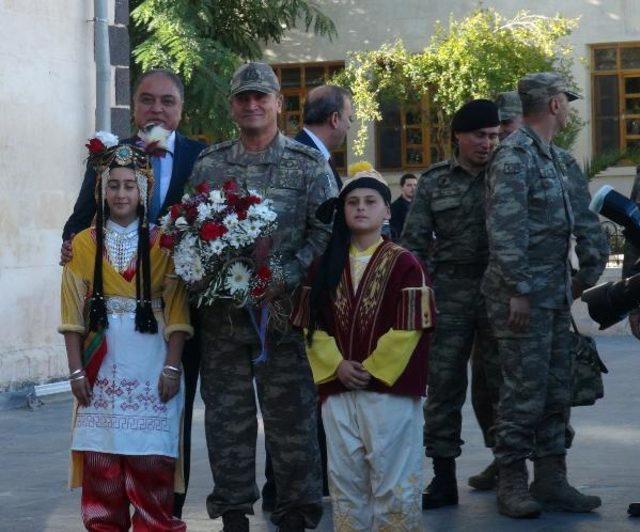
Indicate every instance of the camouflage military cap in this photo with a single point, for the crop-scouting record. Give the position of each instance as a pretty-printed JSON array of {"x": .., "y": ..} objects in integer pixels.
[
  {"x": 542, "y": 86},
  {"x": 253, "y": 76},
  {"x": 509, "y": 105}
]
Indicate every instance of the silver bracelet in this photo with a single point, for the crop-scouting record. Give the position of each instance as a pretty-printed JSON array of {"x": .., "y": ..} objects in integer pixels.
[
  {"x": 79, "y": 377},
  {"x": 76, "y": 372},
  {"x": 172, "y": 368},
  {"x": 170, "y": 376}
]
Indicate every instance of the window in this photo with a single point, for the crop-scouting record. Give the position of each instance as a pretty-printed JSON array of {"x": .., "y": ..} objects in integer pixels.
[
  {"x": 295, "y": 81},
  {"x": 404, "y": 137},
  {"x": 616, "y": 96}
]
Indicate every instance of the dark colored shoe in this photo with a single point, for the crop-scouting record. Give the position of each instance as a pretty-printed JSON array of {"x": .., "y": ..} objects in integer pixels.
[
  {"x": 443, "y": 489},
  {"x": 486, "y": 479},
  {"x": 634, "y": 509},
  {"x": 269, "y": 496},
  {"x": 268, "y": 504},
  {"x": 235, "y": 521},
  {"x": 291, "y": 522}
]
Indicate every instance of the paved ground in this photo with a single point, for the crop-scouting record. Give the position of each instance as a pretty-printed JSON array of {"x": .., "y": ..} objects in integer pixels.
[{"x": 604, "y": 461}]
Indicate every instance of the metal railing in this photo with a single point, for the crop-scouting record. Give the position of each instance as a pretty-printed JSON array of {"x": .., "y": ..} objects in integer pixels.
[{"x": 616, "y": 243}]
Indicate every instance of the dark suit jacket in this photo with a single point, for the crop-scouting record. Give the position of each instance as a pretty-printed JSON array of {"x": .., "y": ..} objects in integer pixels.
[
  {"x": 186, "y": 152},
  {"x": 305, "y": 139}
]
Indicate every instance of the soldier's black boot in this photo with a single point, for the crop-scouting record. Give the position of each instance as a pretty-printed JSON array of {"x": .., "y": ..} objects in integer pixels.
[
  {"x": 291, "y": 522},
  {"x": 235, "y": 521},
  {"x": 486, "y": 479},
  {"x": 552, "y": 490},
  {"x": 443, "y": 489},
  {"x": 634, "y": 509}
]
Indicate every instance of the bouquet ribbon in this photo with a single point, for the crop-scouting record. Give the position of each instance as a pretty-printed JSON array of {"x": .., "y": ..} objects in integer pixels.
[{"x": 261, "y": 329}]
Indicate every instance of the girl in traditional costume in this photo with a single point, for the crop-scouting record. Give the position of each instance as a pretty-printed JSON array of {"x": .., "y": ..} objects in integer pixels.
[
  {"x": 125, "y": 320},
  {"x": 367, "y": 309}
]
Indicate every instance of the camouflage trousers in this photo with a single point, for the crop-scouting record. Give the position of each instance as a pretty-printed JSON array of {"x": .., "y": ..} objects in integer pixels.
[
  {"x": 462, "y": 324},
  {"x": 486, "y": 379},
  {"x": 288, "y": 402},
  {"x": 535, "y": 393}
]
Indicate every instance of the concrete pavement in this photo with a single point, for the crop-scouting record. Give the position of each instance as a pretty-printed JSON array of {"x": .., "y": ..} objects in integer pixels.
[{"x": 604, "y": 462}]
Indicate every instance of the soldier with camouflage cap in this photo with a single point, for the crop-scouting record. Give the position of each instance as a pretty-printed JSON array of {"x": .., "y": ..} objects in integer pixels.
[
  {"x": 527, "y": 287},
  {"x": 449, "y": 202},
  {"x": 509, "y": 112},
  {"x": 592, "y": 252},
  {"x": 297, "y": 179}
]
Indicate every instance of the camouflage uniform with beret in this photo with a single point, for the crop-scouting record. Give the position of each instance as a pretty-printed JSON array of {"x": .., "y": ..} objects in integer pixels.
[
  {"x": 297, "y": 179},
  {"x": 445, "y": 228}
]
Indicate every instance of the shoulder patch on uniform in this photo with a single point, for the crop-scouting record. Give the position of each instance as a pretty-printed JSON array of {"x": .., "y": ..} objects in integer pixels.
[
  {"x": 296, "y": 146},
  {"x": 217, "y": 147},
  {"x": 512, "y": 168},
  {"x": 436, "y": 166}
]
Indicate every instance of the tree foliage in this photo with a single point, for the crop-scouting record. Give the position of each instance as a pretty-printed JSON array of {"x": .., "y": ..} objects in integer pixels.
[
  {"x": 475, "y": 57},
  {"x": 205, "y": 40}
]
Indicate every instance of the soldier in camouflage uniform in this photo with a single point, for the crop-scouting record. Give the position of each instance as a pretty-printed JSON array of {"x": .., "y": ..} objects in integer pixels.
[
  {"x": 631, "y": 257},
  {"x": 528, "y": 292},
  {"x": 449, "y": 202},
  {"x": 592, "y": 251},
  {"x": 509, "y": 112},
  {"x": 297, "y": 179}
]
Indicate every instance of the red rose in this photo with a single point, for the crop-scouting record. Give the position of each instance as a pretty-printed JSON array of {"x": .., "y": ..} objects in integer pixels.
[
  {"x": 191, "y": 214},
  {"x": 174, "y": 211},
  {"x": 203, "y": 188},
  {"x": 230, "y": 186},
  {"x": 264, "y": 273},
  {"x": 242, "y": 215},
  {"x": 258, "y": 291},
  {"x": 167, "y": 241},
  {"x": 211, "y": 231},
  {"x": 95, "y": 145},
  {"x": 254, "y": 200}
]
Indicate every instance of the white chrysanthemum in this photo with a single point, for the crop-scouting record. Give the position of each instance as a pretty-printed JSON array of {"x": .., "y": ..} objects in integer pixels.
[
  {"x": 237, "y": 279},
  {"x": 216, "y": 246},
  {"x": 108, "y": 139},
  {"x": 204, "y": 212},
  {"x": 216, "y": 196},
  {"x": 165, "y": 221},
  {"x": 262, "y": 211},
  {"x": 230, "y": 221},
  {"x": 181, "y": 223}
]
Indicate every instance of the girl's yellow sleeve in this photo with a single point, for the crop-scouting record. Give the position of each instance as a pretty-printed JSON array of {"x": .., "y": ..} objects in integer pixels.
[{"x": 176, "y": 305}]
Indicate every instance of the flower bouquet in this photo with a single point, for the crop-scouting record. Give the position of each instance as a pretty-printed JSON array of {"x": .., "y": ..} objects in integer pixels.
[{"x": 221, "y": 246}]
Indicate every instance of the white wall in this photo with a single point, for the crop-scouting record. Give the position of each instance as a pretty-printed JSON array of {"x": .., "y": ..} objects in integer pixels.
[
  {"x": 47, "y": 99},
  {"x": 367, "y": 24}
]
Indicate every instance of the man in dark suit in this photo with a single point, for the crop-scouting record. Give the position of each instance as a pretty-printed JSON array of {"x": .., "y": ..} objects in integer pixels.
[
  {"x": 157, "y": 99},
  {"x": 327, "y": 116},
  {"x": 400, "y": 207}
]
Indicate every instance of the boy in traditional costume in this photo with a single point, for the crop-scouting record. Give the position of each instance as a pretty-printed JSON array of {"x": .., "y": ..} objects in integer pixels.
[
  {"x": 125, "y": 320},
  {"x": 367, "y": 308}
]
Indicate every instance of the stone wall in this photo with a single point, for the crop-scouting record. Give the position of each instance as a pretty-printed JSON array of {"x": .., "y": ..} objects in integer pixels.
[{"x": 48, "y": 106}]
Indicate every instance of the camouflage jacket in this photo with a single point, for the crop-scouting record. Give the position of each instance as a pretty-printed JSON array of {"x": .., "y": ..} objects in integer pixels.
[
  {"x": 592, "y": 247},
  {"x": 529, "y": 222},
  {"x": 295, "y": 177},
  {"x": 631, "y": 252},
  {"x": 448, "y": 205}
]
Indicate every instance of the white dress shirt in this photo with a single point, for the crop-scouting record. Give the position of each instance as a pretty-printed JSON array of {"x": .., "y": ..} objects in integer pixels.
[{"x": 319, "y": 144}]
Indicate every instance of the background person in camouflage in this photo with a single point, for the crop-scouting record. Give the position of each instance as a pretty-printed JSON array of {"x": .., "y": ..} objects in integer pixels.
[
  {"x": 528, "y": 292},
  {"x": 449, "y": 203},
  {"x": 631, "y": 256},
  {"x": 297, "y": 179},
  {"x": 509, "y": 112}
]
